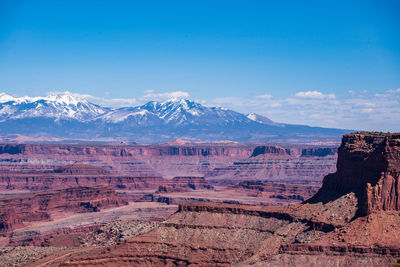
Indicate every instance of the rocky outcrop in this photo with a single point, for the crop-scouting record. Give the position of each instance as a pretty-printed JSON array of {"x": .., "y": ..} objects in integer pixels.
[
  {"x": 193, "y": 183},
  {"x": 42, "y": 206},
  {"x": 12, "y": 149},
  {"x": 79, "y": 168},
  {"x": 369, "y": 165},
  {"x": 279, "y": 190},
  {"x": 263, "y": 150},
  {"x": 318, "y": 152},
  {"x": 9, "y": 219},
  {"x": 184, "y": 184}
]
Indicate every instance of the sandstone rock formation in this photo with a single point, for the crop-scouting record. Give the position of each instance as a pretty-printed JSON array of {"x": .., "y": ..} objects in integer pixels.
[
  {"x": 78, "y": 168},
  {"x": 279, "y": 190},
  {"x": 210, "y": 160},
  {"x": 68, "y": 178},
  {"x": 328, "y": 230},
  {"x": 184, "y": 184},
  {"x": 369, "y": 165},
  {"x": 43, "y": 206}
]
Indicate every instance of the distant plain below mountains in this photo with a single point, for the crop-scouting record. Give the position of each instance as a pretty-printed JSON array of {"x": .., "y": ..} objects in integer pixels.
[{"x": 65, "y": 117}]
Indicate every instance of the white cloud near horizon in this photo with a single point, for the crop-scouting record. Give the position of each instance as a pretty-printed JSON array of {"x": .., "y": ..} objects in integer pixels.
[
  {"x": 359, "y": 110},
  {"x": 265, "y": 96},
  {"x": 314, "y": 95}
]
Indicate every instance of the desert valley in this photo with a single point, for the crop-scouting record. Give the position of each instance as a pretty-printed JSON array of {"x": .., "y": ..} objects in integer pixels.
[{"x": 204, "y": 204}]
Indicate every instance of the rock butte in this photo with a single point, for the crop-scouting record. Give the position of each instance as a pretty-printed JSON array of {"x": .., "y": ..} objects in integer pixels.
[{"x": 351, "y": 221}]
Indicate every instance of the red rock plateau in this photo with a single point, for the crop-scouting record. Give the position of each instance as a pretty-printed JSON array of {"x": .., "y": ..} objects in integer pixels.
[
  {"x": 138, "y": 171},
  {"x": 351, "y": 221},
  {"x": 73, "y": 175},
  {"x": 18, "y": 209},
  {"x": 215, "y": 161}
]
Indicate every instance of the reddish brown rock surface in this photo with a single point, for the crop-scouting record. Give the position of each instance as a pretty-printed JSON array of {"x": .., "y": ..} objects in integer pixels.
[
  {"x": 185, "y": 184},
  {"x": 44, "y": 206},
  {"x": 368, "y": 164},
  {"x": 138, "y": 171},
  {"x": 59, "y": 180},
  {"x": 279, "y": 190},
  {"x": 80, "y": 168},
  {"x": 329, "y": 230},
  {"x": 212, "y": 161}
]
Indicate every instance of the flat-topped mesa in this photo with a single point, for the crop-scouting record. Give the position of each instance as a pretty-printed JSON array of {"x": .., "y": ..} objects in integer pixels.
[
  {"x": 369, "y": 165},
  {"x": 268, "y": 150},
  {"x": 81, "y": 168},
  {"x": 318, "y": 151}
]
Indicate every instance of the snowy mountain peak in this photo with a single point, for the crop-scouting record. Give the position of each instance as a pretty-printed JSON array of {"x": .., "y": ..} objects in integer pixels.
[
  {"x": 66, "y": 98},
  {"x": 61, "y": 105},
  {"x": 4, "y": 97}
]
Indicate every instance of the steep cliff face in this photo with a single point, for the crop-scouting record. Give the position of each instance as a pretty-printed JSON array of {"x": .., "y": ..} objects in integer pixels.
[
  {"x": 9, "y": 219},
  {"x": 42, "y": 206},
  {"x": 215, "y": 161},
  {"x": 37, "y": 181},
  {"x": 318, "y": 152},
  {"x": 369, "y": 165},
  {"x": 81, "y": 168},
  {"x": 12, "y": 149},
  {"x": 279, "y": 190},
  {"x": 263, "y": 150}
]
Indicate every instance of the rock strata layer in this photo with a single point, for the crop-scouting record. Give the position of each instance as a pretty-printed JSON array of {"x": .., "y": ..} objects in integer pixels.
[
  {"x": 21, "y": 208},
  {"x": 368, "y": 164},
  {"x": 328, "y": 230},
  {"x": 210, "y": 160}
]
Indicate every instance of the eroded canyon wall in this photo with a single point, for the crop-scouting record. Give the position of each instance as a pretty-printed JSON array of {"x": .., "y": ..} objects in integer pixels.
[
  {"x": 43, "y": 206},
  {"x": 325, "y": 231},
  {"x": 213, "y": 161},
  {"x": 368, "y": 164}
]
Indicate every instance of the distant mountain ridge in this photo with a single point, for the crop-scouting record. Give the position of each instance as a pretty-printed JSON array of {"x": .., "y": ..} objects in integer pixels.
[
  {"x": 58, "y": 105},
  {"x": 67, "y": 115}
]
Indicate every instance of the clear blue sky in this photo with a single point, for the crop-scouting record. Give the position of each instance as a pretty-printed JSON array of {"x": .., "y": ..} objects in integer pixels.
[{"x": 213, "y": 50}]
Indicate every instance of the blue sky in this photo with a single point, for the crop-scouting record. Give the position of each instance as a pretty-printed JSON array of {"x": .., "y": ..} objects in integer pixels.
[{"x": 326, "y": 63}]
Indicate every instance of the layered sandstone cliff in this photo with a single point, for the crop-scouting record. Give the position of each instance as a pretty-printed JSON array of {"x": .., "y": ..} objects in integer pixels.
[
  {"x": 369, "y": 165},
  {"x": 184, "y": 184},
  {"x": 44, "y": 206},
  {"x": 213, "y": 161},
  {"x": 327, "y": 230},
  {"x": 279, "y": 190}
]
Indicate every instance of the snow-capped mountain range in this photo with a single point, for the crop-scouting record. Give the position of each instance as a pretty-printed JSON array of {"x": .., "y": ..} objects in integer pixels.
[
  {"x": 57, "y": 105},
  {"x": 68, "y": 115}
]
